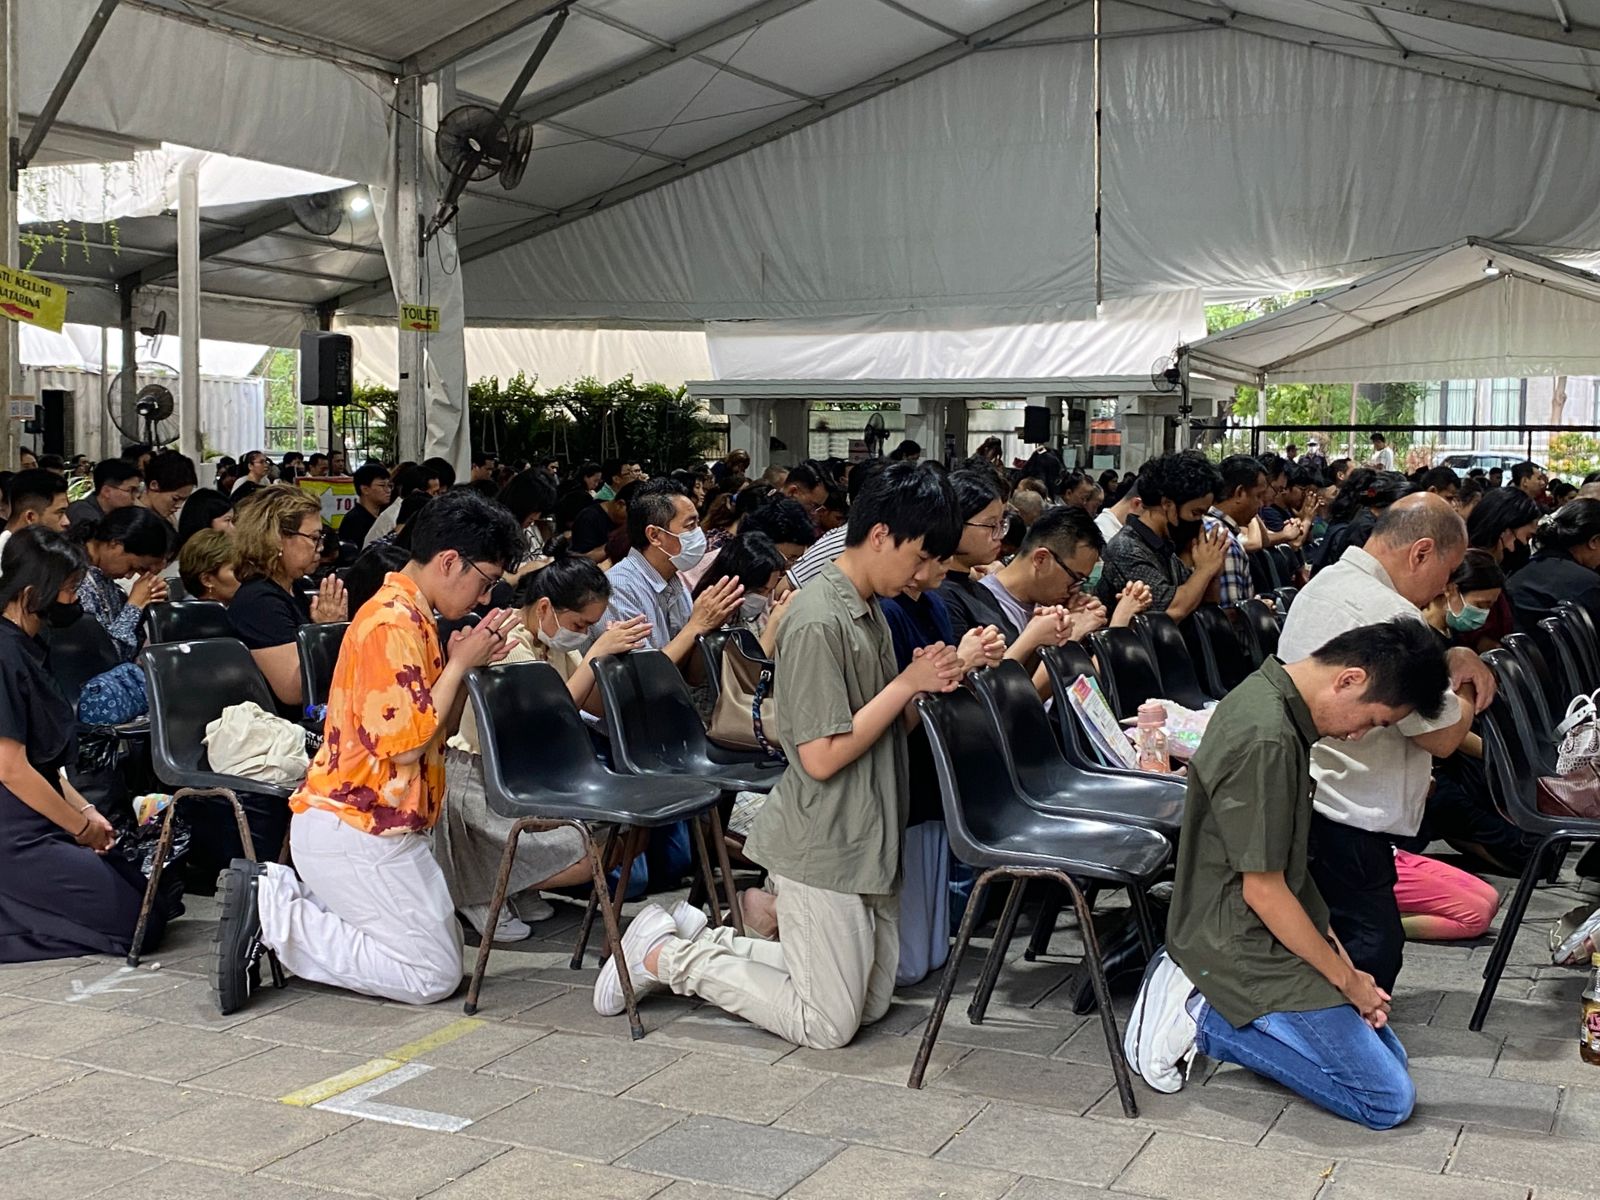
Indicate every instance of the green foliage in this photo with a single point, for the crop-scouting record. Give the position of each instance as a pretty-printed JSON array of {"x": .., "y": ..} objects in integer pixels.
[{"x": 1573, "y": 455}]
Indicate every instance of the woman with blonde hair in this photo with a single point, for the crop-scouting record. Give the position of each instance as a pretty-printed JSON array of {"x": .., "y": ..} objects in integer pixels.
[
  {"x": 206, "y": 566},
  {"x": 277, "y": 538}
]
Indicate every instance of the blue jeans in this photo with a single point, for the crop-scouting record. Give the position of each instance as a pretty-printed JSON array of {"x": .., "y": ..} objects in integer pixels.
[{"x": 1329, "y": 1055}]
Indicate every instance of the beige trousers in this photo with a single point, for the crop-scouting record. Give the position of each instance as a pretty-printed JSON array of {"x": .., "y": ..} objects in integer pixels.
[{"x": 832, "y": 973}]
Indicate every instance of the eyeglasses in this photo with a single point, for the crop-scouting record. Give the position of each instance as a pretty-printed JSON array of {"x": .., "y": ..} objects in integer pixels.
[
  {"x": 1077, "y": 580},
  {"x": 310, "y": 537},
  {"x": 489, "y": 581},
  {"x": 995, "y": 529}
]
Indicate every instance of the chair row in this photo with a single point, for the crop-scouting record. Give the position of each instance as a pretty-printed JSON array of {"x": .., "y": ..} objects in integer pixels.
[{"x": 1193, "y": 662}]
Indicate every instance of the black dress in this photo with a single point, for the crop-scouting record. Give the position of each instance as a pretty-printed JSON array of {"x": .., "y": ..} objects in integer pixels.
[{"x": 57, "y": 899}]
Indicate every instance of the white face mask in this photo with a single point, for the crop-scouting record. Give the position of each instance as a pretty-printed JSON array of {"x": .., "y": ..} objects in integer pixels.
[
  {"x": 751, "y": 608},
  {"x": 563, "y": 639},
  {"x": 692, "y": 548}
]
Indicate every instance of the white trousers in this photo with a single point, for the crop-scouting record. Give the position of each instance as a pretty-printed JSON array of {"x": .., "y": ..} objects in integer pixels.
[
  {"x": 371, "y": 914},
  {"x": 832, "y": 973}
]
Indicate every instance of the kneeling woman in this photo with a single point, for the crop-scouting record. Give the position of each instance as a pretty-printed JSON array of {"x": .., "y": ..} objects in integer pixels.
[
  {"x": 59, "y": 897},
  {"x": 560, "y": 603}
]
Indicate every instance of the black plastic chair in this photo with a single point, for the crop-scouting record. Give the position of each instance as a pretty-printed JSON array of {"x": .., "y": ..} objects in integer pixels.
[
  {"x": 713, "y": 644},
  {"x": 1128, "y": 668},
  {"x": 1063, "y": 665},
  {"x": 656, "y": 731},
  {"x": 1264, "y": 571},
  {"x": 319, "y": 654},
  {"x": 554, "y": 780},
  {"x": 1285, "y": 597},
  {"x": 1538, "y": 683},
  {"x": 1217, "y": 649},
  {"x": 1513, "y": 770},
  {"x": 1043, "y": 776},
  {"x": 1584, "y": 638},
  {"x": 190, "y": 683},
  {"x": 1178, "y": 679},
  {"x": 1290, "y": 563},
  {"x": 1261, "y": 629},
  {"x": 1563, "y": 635},
  {"x": 993, "y": 829},
  {"x": 186, "y": 621}
]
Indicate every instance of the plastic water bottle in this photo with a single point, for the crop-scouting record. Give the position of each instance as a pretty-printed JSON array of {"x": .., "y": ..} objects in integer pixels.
[
  {"x": 1150, "y": 739},
  {"x": 1589, "y": 1035}
]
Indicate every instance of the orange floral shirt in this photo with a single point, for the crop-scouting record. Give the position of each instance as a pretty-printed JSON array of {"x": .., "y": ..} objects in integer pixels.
[{"x": 381, "y": 706}]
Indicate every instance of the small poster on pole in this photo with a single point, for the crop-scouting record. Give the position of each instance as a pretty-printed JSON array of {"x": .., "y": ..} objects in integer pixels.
[{"x": 419, "y": 318}]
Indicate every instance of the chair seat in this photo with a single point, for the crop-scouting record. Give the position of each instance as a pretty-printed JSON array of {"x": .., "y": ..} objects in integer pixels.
[
  {"x": 729, "y": 777},
  {"x": 635, "y": 800},
  {"x": 1098, "y": 850},
  {"x": 1148, "y": 803},
  {"x": 235, "y": 783}
]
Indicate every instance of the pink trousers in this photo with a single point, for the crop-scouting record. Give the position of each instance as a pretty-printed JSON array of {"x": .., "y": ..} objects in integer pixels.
[{"x": 1439, "y": 902}]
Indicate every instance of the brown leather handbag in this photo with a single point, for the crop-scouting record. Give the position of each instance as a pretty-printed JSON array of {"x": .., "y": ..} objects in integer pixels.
[
  {"x": 1575, "y": 794},
  {"x": 745, "y": 717}
]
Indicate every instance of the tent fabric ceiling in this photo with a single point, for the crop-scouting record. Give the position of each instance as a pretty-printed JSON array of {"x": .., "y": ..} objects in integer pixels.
[
  {"x": 1476, "y": 309},
  {"x": 654, "y": 121}
]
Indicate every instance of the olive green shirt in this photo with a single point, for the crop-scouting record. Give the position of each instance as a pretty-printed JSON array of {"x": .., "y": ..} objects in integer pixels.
[
  {"x": 1248, "y": 808},
  {"x": 833, "y": 655}
]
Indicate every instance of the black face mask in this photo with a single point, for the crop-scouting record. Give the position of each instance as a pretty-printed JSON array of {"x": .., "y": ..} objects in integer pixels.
[
  {"x": 59, "y": 615},
  {"x": 1516, "y": 558},
  {"x": 1183, "y": 533}
]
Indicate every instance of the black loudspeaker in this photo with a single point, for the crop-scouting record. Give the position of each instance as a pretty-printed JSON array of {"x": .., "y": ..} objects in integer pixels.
[
  {"x": 326, "y": 368},
  {"x": 1035, "y": 424}
]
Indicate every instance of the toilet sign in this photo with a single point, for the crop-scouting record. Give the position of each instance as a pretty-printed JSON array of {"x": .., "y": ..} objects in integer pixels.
[
  {"x": 30, "y": 300},
  {"x": 419, "y": 318}
]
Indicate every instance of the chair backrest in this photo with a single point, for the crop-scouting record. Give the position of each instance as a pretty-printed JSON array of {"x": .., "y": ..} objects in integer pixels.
[
  {"x": 1542, "y": 681},
  {"x": 1510, "y": 754},
  {"x": 650, "y": 714},
  {"x": 1217, "y": 647},
  {"x": 1063, "y": 665},
  {"x": 319, "y": 654},
  {"x": 1261, "y": 630},
  {"x": 1584, "y": 638},
  {"x": 1178, "y": 678},
  {"x": 1290, "y": 563},
  {"x": 1128, "y": 668},
  {"x": 186, "y": 621},
  {"x": 713, "y": 644},
  {"x": 190, "y": 684},
  {"x": 513, "y": 700},
  {"x": 1521, "y": 693},
  {"x": 1568, "y": 659},
  {"x": 1286, "y": 597},
  {"x": 1028, "y": 746},
  {"x": 1264, "y": 571},
  {"x": 78, "y": 652},
  {"x": 977, "y": 799}
]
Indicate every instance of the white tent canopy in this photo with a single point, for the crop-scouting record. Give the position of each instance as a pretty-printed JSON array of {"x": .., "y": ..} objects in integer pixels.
[{"x": 1475, "y": 309}]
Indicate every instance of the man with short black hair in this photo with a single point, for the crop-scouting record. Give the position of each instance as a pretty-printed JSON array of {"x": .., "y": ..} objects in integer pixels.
[
  {"x": 1382, "y": 457},
  {"x": 1527, "y": 478},
  {"x": 1244, "y": 491},
  {"x": 1176, "y": 491},
  {"x": 807, "y": 485},
  {"x": 830, "y": 833},
  {"x": 317, "y": 464},
  {"x": 116, "y": 485},
  {"x": 483, "y": 466},
  {"x": 373, "y": 493},
  {"x": 1441, "y": 481},
  {"x": 618, "y": 472},
  {"x": 37, "y": 497},
  {"x": 1273, "y": 989},
  {"x": 370, "y": 910}
]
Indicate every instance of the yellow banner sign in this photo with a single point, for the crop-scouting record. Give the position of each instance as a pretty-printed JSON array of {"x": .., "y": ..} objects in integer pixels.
[
  {"x": 32, "y": 300},
  {"x": 419, "y": 318}
]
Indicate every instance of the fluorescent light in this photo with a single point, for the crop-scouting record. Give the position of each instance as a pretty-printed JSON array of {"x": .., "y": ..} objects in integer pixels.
[
  {"x": 359, "y": 204},
  {"x": 1490, "y": 269}
]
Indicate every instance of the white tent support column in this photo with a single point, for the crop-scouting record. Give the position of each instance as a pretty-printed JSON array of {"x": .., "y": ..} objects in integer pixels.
[
  {"x": 189, "y": 441},
  {"x": 791, "y": 425},
  {"x": 402, "y": 247},
  {"x": 750, "y": 430},
  {"x": 10, "y": 360},
  {"x": 925, "y": 423}
]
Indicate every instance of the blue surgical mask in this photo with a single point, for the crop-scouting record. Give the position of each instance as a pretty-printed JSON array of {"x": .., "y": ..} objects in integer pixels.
[{"x": 1467, "y": 620}]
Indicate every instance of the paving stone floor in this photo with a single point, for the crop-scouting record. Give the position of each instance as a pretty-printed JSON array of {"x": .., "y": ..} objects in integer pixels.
[{"x": 127, "y": 1085}]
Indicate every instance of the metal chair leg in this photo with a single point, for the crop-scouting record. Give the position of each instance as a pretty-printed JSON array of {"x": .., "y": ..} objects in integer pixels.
[
  {"x": 702, "y": 856},
  {"x": 1102, "y": 995},
  {"x": 246, "y": 842},
  {"x": 594, "y": 902},
  {"x": 947, "y": 982},
  {"x": 1141, "y": 913},
  {"x": 633, "y": 845},
  {"x": 1003, "y": 934},
  {"x": 1508, "y": 934},
  {"x": 501, "y": 883},
  {"x": 614, "y": 942},
  {"x": 1049, "y": 910},
  {"x": 725, "y": 868}
]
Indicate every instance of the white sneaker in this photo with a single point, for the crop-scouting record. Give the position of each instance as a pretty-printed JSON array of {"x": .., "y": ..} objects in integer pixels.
[
  {"x": 691, "y": 922},
  {"x": 532, "y": 907},
  {"x": 506, "y": 929},
  {"x": 652, "y": 926},
  {"x": 1161, "y": 1032}
]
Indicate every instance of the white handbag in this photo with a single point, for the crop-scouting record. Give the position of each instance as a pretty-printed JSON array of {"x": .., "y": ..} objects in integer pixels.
[
  {"x": 1579, "y": 732},
  {"x": 248, "y": 741}
]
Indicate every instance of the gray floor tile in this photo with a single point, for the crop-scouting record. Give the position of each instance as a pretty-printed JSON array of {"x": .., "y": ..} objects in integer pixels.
[
  {"x": 574, "y": 1012},
  {"x": 1023, "y": 1030},
  {"x": 48, "y": 1030},
  {"x": 581, "y": 1124},
  {"x": 709, "y": 1028},
  {"x": 1580, "y": 1115},
  {"x": 1231, "y": 1114},
  {"x": 1547, "y": 1060},
  {"x": 103, "y": 986},
  {"x": 885, "y": 1175},
  {"x": 1521, "y": 1158},
  {"x": 1369, "y": 1181},
  {"x": 100, "y": 1108},
  {"x": 46, "y": 1169},
  {"x": 1029, "y": 1188},
  {"x": 1482, "y": 1100},
  {"x": 717, "y": 1085},
  {"x": 275, "y": 1071},
  {"x": 189, "y": 1181},
  {"x": 1191, "y": 1169},
  {"x": 1444, "y": 1048},
  {"x": 242, "y": 1134},
  {"x": 884, "y": 1057},
  {"x": 1524, "y": 1018},
  {"x": 882, "y": 1114},
  {"x": 21, "y": 1077},
  {"x": 389, "y": 1160},
  {"x": 1418, "y": 1144},
  {"x": 167, "y": 1052},
  {"x": 492, "y": 1040},
  {"x": 531, "y": 1175},
  {"x": 597, "y": 1064},
  {"x": 191, "y": 1004},
  {"x": 1050, "y": 1145},
  {"x": 1022, "y": 1079},
  {"x": 751, "y": 1158}
]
